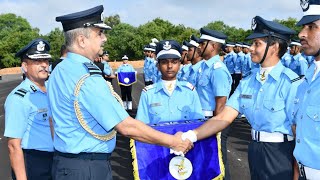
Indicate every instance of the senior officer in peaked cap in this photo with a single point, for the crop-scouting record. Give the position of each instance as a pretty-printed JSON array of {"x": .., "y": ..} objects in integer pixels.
[
  {"x": 85, "y": 109},
  {"x": 161, "y": 101},
  {"x": 307, "y": 109},
  {"x": 28, "y": 118},
  {"x": 214, "y": 83},
  {"x": 264, "y": 98}
]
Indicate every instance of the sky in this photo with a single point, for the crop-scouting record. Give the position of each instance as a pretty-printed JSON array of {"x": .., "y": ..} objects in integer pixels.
[{"x": 191, "y": 13}]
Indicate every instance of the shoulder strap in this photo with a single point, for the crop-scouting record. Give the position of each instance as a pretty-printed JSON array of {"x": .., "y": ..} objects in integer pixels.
[
  {"x": 21, "y": 92},
  {"x": 93, "y": 69}
]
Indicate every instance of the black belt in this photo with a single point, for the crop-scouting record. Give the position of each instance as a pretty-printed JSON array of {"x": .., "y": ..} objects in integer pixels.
[
  {"x": 37, "y": 152},
  {"x": 84, "y": 155}
]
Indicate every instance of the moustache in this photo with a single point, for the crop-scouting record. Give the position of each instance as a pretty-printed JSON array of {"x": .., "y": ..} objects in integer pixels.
[{"x": 45, "y": 70}]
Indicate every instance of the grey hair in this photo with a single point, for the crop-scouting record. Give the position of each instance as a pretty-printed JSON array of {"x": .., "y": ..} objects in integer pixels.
[{"x": 71, "y": 36}]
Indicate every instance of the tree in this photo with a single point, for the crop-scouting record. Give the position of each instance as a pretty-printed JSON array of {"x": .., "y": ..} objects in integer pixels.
[
  {"x": 15, "y": 33},
  {"x": 112, "y": 21},
  {"x": 56, "y": 40}
]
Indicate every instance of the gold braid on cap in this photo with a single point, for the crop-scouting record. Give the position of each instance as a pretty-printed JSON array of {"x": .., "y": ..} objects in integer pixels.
[{"x": 79, "y": 116}]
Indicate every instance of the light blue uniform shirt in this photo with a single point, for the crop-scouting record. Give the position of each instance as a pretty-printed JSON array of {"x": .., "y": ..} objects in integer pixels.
[
  {"x": 107, "y": 70},
  {"x": 156, "y": 105},
  {"x": 27, "y": 115},
  {"x": 246, "y": 65},
  {"x": 307, "y": 117},
  {"x": 185, "y": 72},
  {"x": 309, "y": 59},
  {"x": 266, "y": 106},
  {"x": 230, "y": 60},
  {"x": 298, "y": 64},
  {"x": 195, "y": 73},
  {"x": 156, "y": 73},
  {"x": 286, "y": 59},
  {"x": 238, "y": 63},
  {"x": 99, "y": 108},
  {"x": 125, "y": 68},
  {"x": 215, "y": 80},
  {"x": 148, "y": 69}
]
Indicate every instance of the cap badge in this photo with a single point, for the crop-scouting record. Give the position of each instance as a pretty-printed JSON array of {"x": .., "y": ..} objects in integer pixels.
[
  {"x": 40, "y": 46},
  {"x": 253, "y": 24},
  {"x": 304, "y": 5},
  {"x": 167, "y": 46}
]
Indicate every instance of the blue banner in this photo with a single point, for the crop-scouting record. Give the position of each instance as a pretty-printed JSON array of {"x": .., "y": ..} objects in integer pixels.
[
  {"x": 127, "y": 78},
  {"x": 152, "y": 161}
]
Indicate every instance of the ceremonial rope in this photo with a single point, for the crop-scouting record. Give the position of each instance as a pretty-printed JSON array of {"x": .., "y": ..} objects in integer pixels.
[{"x": 79, "y": 115}]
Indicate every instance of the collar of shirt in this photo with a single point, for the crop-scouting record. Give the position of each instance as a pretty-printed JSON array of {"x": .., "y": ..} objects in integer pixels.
[
  {"x": 160, "y": 85},
  {"x": 31, "y": 87},
  {"x": 197, "y": 66},
  {"x": 77, "y": 57},
  {"x": 296, "y": 57},
  {"x": 212, "y": 60},
  {"x": 274, "y": 73}
]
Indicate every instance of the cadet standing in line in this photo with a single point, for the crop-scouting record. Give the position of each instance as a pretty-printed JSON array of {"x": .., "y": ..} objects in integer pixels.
[
  {"x": 263, "y": 97},
  {"x": 238, "y": 64},
  {"x": 28, "y": 117},
  {"x": 307, "y": 113},
  {"x": 229, "y": 60},
  {"x": 85, "y": 109},
  {"x": 126, "y": 90},
  {"x": 147, "y": 66},
  {"x": 183, "y": 58},
  {"x": 161, "y": 101},
  {"x": 214, "y": 84},
  {"x": 286, "y": 58},
  {"x": 185, "y": 70},
  {"x": 246, "y": 65},
  {"x": 196, "y": 60},
  {"x": 107, "y": 70},
  {"x": 298, "y": 63}
]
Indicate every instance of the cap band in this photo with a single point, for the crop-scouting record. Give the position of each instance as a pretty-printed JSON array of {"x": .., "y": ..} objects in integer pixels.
[
  {"x": 192, "y": 42},
  {"x": 240, "y": 45},
  {"x": 295, "y": 43},
  {"x": 184, "y": 47},
  {"x": 246, "y": 46},
  {"x": 171, "y": 51},
  {"x": 39, "y": 56},
  {"x": 313, "y": 10},
  {"x": 210, "y": 38}
]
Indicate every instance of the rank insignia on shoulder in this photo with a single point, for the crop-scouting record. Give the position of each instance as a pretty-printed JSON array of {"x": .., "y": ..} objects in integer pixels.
[
  {"x": 296, "y": 79},
  {"x": 21, "y": 92},
  {"x": 33, "y": 88},
  {"x": 145, "y": 89},
  {"x": 93, "y": 69},
  {"x": 189, "y": 85},
  {"x": 217, "y": 65}
]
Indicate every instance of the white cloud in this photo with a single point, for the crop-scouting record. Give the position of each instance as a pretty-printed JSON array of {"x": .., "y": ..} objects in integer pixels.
[{"x": 191, "y": 13}]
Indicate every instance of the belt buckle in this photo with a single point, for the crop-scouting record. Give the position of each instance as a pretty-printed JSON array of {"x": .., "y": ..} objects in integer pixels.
[{"x": 302, "y": 173}]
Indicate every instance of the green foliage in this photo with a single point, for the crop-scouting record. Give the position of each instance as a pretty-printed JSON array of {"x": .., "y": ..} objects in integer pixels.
[
  {"x": 291, "y": 23},
  {"x": 16, "y": 32}
]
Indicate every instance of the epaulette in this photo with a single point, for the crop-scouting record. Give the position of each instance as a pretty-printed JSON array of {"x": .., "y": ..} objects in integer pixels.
[
  {"x": 189, "y": 85},
  {"x": 217, "y": 65},
  {"x": 92, "y": 68},
  {"x": 145, "y": 89},
  {"x": 21, "y": 92},
  {"x": 291, "y": 75}
]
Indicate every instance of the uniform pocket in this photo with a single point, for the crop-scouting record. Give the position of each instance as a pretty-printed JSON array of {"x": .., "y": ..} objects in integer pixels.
[
  {"x": 246, "y": 103},
  {"x": 313, "y": 112},
  {"x": 185, "y": 112},
  {"x": 274, "y": 105}
]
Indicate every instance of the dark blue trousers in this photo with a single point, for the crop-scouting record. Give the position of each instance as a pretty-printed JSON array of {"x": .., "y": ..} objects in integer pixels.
[
  {"x": 38, "y": 164},
  {"x": 81, "y": 168},
  {"x": 271, "y": 160}
]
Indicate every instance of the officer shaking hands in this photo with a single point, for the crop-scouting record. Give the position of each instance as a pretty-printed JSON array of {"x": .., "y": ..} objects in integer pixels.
[
  {"x": 87, "y": 112},
  {"x": 28, "y": 117}
]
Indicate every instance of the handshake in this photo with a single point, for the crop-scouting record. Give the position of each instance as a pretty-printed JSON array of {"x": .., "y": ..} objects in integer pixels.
[{"x": 186, "y": 142}]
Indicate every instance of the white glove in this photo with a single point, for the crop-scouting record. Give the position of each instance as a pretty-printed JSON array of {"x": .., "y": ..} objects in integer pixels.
[
  {"x": 177, "y": 153},
  {"x": 191, "y": 135}
]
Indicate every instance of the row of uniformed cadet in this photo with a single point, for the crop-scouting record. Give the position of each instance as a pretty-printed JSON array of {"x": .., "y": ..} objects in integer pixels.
[{"x": 86, "y": 112}]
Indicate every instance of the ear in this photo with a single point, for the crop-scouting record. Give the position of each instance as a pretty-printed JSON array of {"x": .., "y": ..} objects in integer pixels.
[
  {"x": 24, "y": 67},
  {"x": 81, "y": 41}
]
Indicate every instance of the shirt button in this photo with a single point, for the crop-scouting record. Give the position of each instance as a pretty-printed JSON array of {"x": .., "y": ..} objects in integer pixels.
[
  {"x": 315, "y": 116},
  {"x": 242, "y": 106},
  {"x": 261, "y": 90},
  {"x": 272, "y": 109},
  {"x": 308, "y": 91},
  {"x": 298, "y": 140}
]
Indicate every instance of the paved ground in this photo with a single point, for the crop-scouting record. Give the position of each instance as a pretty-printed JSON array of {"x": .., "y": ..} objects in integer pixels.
[{"x": 121, "y": 157}]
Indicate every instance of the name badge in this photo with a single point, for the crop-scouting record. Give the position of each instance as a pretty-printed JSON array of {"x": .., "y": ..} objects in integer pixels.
[
  {"x": 42, "y": 110},
  {"x": 155, "y": 104},
  {"x": 246, "y": 96}
]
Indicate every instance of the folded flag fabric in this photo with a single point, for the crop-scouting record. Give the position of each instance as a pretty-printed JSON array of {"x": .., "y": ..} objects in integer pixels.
[
  {"x": 151, "y": 162},
  {"x": 127, "y": 78}
]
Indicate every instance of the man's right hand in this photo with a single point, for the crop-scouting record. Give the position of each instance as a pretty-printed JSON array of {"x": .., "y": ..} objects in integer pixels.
[{"x": 181, "y": 145}]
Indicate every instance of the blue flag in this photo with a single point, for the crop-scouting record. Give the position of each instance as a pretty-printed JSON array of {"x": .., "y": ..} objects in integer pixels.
[
  {"x": 127, "y": 78},
  {"x": 152, "y": 161}
]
